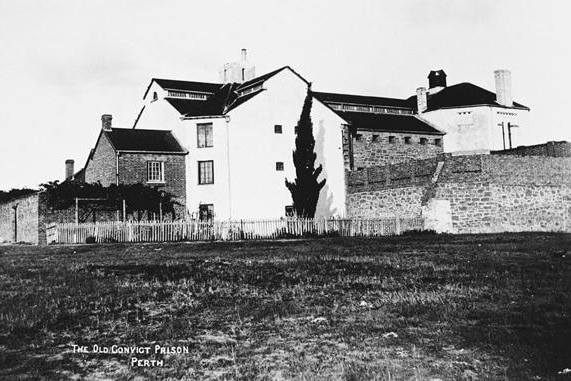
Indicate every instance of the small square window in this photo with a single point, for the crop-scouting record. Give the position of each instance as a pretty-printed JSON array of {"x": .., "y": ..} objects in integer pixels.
[
  {"x": 423, "y": 141},
  {"x": 375, "y": 138},
  {"x": 407, "y": 140},
  {"x": 358, "y": 137},
  {"x": 392, "y": 139},
  {"x": 278, "y": 129},
  {"x": 206, "y": 212},
  {"x": 438, "y": 142},
  {"x": 289, "y": 211},
  {"x": 279, "y": 166}
]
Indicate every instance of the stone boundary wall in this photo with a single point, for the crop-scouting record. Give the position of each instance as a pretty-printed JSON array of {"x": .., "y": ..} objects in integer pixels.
[
  {"x": 34, "y": 215},
  {"x": 553, "y": 149},
  {"x": 19, "y": 219},
  {"x": 484, "y": 193}
]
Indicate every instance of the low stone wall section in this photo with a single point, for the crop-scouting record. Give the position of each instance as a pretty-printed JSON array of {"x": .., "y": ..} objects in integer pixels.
[{"x": 487, "y": 193}]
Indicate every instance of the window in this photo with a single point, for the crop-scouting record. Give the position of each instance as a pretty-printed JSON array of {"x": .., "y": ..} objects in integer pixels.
[
  {"x": 423, "y": 141},
  {"x": 438, "y": 142},
  {"x": 375, "y": 138},
  {"x": 358, "y": 137},
  {"x": 155, "y": 96},
  {"x": 392, "y": 140},
  {"x": 278, "y": 128},
  {"x": 407, "y": 140},
  {"x": 204, "y": 135},
  {"x": 279, "y": 166},
  {"x": 206, "y": 212},
  {"x": 289, "y": 211},
  {"x": 155, "y": 172},
  {"x": 206, "y": 172}
]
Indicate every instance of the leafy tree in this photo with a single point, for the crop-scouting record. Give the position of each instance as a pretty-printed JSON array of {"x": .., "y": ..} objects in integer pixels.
[
  {"x": 15, "y": 193},
  {"x": 138, "y": 197},
  {"x": 305, "y": 188}
]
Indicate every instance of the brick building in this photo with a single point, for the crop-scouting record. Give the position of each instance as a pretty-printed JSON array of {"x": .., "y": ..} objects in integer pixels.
[{"x": 127, "y": 156}]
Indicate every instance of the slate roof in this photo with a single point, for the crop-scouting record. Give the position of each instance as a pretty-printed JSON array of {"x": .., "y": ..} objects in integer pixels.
[
  {"x": 128, "y": 139},
  {"x": 389, "y": 122},
  {"x": 203, "y": 87},
  {"x": 361, "y": 100},
  {"x": 461, "y": 95}
]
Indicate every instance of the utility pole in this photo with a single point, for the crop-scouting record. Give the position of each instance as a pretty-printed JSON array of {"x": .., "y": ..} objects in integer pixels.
[
  {"x": 510, "y": 126},
  {"x": 503, "y": 134}
]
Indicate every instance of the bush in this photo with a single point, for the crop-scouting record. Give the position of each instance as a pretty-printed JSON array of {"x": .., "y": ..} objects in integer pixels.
[{"x": 90, "y": 239}]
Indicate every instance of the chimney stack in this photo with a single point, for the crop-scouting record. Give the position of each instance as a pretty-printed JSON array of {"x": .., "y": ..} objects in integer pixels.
[
  {"x": 106, "y": 122},
  {"x": 238, "y": 72},
  {"x": 421, "y": 100},
  {"x": 504, "y": 87},
  {"x": 69, "y": 169}
]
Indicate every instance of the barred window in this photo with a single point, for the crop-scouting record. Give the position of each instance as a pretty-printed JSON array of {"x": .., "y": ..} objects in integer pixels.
[
  {"x": 155, "y": 171},
  {"x": 204, "y": 135},
  {"x": 279, "y": 166},
  {"x": 278, "y": 129},
  {"x": 206, "y": 172}
]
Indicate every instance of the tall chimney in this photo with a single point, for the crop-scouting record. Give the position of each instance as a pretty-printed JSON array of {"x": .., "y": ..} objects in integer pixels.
[
  {"x": 504, "y": 87},
  {"x": 106, "y": 122},
  {"x": 421, "y": 100},
  {"x": 69, "y": 169},
  {"x": 244, "y": 55}
]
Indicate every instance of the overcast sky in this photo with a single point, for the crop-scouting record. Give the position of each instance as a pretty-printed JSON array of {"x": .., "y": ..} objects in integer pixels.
[{"x": 64, "y": 63}]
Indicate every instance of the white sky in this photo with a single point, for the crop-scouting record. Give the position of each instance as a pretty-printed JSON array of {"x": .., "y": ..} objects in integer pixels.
[{"x": 64, "y": 63}]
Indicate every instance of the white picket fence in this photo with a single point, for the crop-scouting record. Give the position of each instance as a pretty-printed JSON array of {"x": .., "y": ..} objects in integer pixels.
[{"x": 194, "y": 230}]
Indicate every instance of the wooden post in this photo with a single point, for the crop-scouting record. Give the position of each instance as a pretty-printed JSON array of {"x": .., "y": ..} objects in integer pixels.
[
  {"x": 397, "y": 225},
  {"x": 76, "y": 210},
  {"x": 124, "y": 211}
]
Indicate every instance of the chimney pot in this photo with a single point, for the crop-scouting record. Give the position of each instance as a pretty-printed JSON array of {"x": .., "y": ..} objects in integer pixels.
[
  {"x": 106, "y": 122},
  {"x": 69, "y": 169}
]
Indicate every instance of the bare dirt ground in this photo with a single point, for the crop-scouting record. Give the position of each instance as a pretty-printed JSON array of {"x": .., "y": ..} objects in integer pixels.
[{"x": 417, "y": 307}]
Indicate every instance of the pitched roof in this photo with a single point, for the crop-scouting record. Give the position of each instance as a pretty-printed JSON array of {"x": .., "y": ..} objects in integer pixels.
[
  {"x": 461, "y": 95},
  {"x": 389, "y": 122},
  {"x": 361, "y": 100},
  {"x": 202, "y": 87},
  {"x": 127, "y": 139}
]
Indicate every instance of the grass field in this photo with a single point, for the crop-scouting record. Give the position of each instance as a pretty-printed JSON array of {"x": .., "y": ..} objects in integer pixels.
[{"x": 412, "y": 307}]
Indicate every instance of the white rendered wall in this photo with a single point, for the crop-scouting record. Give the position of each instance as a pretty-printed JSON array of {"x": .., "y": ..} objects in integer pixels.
[
  {"x": 476, "y": 131},
  {"x": 258, "y": 190}
]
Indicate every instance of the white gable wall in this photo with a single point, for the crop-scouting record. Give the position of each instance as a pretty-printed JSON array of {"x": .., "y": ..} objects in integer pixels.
[
  {"x": 257, "y": 189},
  {"x": 474, "y": 128}
]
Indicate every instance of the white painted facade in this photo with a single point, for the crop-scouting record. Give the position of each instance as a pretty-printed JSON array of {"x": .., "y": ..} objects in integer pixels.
[
  {"x": 476, "y": 128},
  {"x": 246, "y": 149}
]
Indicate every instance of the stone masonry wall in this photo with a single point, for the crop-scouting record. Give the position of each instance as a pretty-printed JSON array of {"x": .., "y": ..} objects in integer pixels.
[
  {"x": 372, "y": 148},
  {"x": 553, "y": 149},
  {"x": 20, "y": 214},
  {"x": 487, "y": 193}
]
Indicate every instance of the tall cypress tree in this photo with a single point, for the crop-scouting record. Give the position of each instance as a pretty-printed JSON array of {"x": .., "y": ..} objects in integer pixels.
[{"x": 305, "y": 188}]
